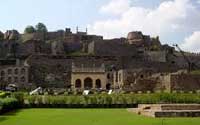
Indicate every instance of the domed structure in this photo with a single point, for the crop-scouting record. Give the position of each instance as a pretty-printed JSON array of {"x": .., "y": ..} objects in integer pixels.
[
  {"x": 135, "y": 38},
  {"x": 135, "y": 35}
]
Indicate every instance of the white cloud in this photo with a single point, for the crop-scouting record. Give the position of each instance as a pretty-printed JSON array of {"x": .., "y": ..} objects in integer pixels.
[
  {"x": 169, "y": 18},
  {"x": 192, "y": 43},
  {"x": 116, "y": 7}
]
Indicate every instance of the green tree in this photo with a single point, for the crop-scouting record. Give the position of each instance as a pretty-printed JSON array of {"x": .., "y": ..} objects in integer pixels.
[
  {"x": 40, "y": 27},
  {"x": 29, "y": 29}
]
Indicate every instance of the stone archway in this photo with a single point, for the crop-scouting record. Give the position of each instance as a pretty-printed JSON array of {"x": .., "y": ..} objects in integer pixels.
[
  {"x": 98, "y": 84},
  {"x": 88, "y": 83},
  {"x": 78, "y": 83}
]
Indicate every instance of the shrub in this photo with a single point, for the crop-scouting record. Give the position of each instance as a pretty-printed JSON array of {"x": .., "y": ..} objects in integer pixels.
[
  {"x": 8, "y": 104},
  {"x": 4, "y": 94},
  {"x": 19, "y": 96}
]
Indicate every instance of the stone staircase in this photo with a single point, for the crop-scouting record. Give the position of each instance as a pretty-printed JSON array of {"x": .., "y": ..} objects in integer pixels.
[{"x": 168, "y": 110}]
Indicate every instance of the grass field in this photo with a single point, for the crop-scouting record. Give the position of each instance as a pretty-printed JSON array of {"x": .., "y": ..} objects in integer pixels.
[{"x": 87, "y": 117}]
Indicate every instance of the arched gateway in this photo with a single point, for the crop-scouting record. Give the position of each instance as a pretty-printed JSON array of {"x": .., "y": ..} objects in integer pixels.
[
  {"x": 87, "y": 78},
  {"x": 88, "y": 83}
]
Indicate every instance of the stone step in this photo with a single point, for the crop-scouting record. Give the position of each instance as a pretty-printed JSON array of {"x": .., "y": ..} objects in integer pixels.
[
  {"x": 169, "y": 110},
  {"x": 181, "y": 107},
  {"x": 177, "y": 113},
  {"x": 169, "y": 107}
]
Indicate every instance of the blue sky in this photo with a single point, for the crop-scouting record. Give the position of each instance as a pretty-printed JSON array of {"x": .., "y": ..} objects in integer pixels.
[
  {"x": 54, "y": 13},
  {"x": 58, "y": 14}
]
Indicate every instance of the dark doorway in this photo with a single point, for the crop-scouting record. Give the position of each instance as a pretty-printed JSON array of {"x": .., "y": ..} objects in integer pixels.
[
  {"x": 88, "y": 83},
  {"x": 98, "y": 84},
  {"x": 108, "y": 86},
  {"x": 78, "y": 83}
]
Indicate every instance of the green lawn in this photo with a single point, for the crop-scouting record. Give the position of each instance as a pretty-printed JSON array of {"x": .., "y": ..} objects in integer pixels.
[{"x": 86, "y": 117}]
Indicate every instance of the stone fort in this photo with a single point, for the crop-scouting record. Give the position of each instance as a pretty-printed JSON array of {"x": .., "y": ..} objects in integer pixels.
[{"x": 63, "y": 59}]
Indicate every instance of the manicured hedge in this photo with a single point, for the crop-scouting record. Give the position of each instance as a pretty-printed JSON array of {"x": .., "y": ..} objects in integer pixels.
[
  {"x": 20, "y": 100},
  {"x": 109, "y": 101},
  {"x": 8, "y": 104}
]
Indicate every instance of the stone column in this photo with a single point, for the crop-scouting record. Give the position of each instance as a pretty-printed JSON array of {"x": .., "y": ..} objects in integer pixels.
[
  {"x": 82, "y": 83},
  {"x": 93, "y": 83}
]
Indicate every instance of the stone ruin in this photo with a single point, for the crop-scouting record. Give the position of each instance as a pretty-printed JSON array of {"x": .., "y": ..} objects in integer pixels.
[
  {"x": 134, "y": 52},
  {"x": 168, "y": 110}
]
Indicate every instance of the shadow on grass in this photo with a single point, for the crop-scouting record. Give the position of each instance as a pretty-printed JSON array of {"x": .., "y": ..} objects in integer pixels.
[
  {"x": 6, "y": 116},
  {"x": 12, "y": 113},
  {"x": 3, "y": 118}
]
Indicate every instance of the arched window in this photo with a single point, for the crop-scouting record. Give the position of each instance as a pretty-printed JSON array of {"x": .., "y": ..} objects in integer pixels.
[
  {"x": 2, "y": 73},
  {"x": 9, "y": 80},
  {"x": 98, "y": 83},
  {"x": 2, "y": 78},
  {"x": 16, "y": 71},
  {"x": 23, "y": 71},
  {"x": 78, "y": 83},
  {"x": 9, "y": 71},
  {"x": 88, "y": 83},
  {"x": 23, "y": 79},
  {"x": 16, "y": 79}
]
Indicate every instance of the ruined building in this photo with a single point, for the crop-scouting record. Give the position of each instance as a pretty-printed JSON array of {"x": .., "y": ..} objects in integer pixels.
[
  {"x": 83, "y": 77},
  {"x": 14, "y": 72}
]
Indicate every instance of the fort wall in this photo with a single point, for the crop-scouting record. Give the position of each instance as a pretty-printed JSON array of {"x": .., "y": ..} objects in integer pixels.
[{"x": 185, "y": 82}]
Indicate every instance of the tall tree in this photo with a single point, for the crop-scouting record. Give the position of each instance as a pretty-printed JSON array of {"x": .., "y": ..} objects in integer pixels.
[
  {"x": 29, "y": 29},
  {"x": 40, "y": 27}
]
